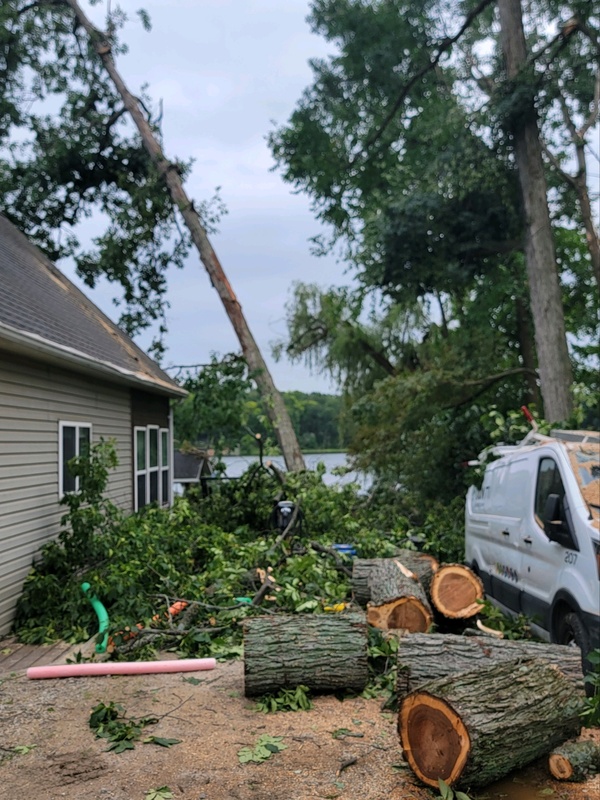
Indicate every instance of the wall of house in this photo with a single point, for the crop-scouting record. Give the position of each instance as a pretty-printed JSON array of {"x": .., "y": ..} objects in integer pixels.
[{"x": 33, "y": 399}]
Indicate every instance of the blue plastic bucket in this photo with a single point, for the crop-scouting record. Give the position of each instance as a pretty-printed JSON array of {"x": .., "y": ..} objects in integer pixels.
[{"x": 345, "y": 549}]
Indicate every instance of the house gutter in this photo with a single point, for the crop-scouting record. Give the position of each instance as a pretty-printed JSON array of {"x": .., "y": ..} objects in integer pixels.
[{"x": 31, "y": 344}]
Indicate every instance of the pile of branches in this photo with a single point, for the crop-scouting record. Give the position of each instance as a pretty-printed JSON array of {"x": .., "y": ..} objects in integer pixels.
[{"x": 216, "y": 560}]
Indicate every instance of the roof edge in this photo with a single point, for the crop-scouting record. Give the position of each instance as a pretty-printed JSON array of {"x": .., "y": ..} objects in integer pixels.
[{"x": 38, "y": 345}]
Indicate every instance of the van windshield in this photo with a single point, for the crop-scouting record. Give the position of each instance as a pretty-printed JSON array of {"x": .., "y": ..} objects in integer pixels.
[{"x": 585, "y": 459}]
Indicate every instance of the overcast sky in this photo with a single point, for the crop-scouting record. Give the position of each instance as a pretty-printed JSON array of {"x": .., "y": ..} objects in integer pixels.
[{"x": 227, "y": 71}]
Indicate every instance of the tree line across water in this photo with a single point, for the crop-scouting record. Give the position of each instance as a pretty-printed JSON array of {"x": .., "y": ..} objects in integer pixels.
[{"x": 224, "y": 412}]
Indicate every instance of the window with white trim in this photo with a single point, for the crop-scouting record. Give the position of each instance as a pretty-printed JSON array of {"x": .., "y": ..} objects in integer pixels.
[
  {"x": 74, "y": 439},
  {"x": 152, "y": 466}
]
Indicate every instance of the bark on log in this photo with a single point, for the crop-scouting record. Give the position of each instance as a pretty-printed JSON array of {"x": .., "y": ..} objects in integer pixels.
[
  {"x": 475, "y": 727},
  {"x": 423, "y": 565},
  {"x": 426, "y": 657},
  {"x": 325, "y": 652},
  {"x": 397, "y": 601},
  {"x": 455, "y": 590},
  {"x": 574, "y": 761}
]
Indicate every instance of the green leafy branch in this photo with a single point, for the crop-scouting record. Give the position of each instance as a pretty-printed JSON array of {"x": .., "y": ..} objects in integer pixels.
[
  {"x": 263, "y": 750},
  {"x": 109, "y": 722},
  {"x": 446, "y": 793},
  {"x": 286, "y": 700}
]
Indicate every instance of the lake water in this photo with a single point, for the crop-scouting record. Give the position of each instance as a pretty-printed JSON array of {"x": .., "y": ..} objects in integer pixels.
[{"x": 237, "y": 465}]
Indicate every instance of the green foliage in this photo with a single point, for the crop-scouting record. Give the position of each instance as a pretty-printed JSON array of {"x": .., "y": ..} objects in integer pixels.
[
  {"x": 591, "y": 711},
  {"x": 205, "y": 550},
  {"x": 447, "y": 793},
  {"x": 382, "y": 653},
  {"x": 286, "y": 700},
  {"x": 263, "y": 750},
  {"x": 424, "y": 204},
  {"x": 163, "y": 793},
  {"x": 24, "y": 749},
  {"x": 224, "y": 411},
  {"x": 518, "y": 627},
  {"x": 213, "y": 414},
  {"x": 109, "y": 722}
]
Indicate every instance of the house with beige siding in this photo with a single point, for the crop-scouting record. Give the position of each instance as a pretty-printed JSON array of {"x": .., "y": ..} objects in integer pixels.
[{"x": 68, "y": 377}]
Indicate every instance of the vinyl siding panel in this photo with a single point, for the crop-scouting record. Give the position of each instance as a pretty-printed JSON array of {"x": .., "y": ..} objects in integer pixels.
[{"x": 33, "y": 399}]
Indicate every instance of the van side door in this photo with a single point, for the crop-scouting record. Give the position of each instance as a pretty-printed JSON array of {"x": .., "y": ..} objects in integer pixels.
[{"x": 542, "y": 559}]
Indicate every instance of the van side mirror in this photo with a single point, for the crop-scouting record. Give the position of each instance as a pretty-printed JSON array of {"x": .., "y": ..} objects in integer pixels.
[{"x": 556, "y": 528}]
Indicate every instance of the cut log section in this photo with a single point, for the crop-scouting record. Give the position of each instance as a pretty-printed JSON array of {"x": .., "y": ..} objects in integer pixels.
[
  {"x": 397, "y": 599},
  {"x": 455, "y": 590},
  {"x": 327, "y": 653},
  {"x": 422, "y": 564},
  {"x": 475, "y": 727},
  {"x": 426, "y": 657},
  {"x": 574, "y": 761}
]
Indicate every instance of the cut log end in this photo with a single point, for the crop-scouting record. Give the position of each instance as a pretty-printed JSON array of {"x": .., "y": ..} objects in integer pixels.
[
  {"x": 455, "y": 591},
  {"x": 560, "y": 767},
  {"x": 438, "y": 744},
  {"x": 574, "y": 761},
  {"x": 405, "y": 613}
]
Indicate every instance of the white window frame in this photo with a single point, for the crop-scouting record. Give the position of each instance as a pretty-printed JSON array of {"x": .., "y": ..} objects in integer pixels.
[
  {"x": 62, "y": 424},
  {"x": 148, "y": 470}
]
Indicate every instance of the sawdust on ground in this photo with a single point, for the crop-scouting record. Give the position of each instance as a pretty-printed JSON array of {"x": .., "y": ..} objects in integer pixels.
[{"x": 214, "y": 721}]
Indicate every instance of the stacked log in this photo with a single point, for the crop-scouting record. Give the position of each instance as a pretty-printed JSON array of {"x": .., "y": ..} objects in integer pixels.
[
  {"x": 327, "y": 653},
  {"x": 426, "y": 657},
  {"x": 476, "y": 727},
  {"x": 421, "y": 564},
  {"x": 397, "y": 599},
  {"x": 456, "y": 592},
  {"x": 574, "y": 761}
]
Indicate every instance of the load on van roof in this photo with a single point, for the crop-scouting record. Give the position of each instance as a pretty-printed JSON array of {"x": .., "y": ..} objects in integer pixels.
[{"x": 583, "y": 449}]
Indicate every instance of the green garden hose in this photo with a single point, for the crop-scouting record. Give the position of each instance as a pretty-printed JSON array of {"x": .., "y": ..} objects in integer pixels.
[{"x": 102, "y": 615}]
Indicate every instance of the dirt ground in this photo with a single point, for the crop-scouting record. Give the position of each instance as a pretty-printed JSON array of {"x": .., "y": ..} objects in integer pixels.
[{"x": 61, "y": 758}]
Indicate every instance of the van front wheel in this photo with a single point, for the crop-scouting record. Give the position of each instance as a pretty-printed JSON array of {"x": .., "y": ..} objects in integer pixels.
[{"x": 570, "y": 630}]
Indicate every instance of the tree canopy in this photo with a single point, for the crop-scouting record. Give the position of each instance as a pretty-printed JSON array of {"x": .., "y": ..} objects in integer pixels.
[{"x": 405, "y": 144}]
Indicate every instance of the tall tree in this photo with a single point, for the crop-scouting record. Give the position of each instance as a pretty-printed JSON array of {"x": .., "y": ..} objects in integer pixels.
[
  {"x": 542, "y": 272},
  {"x": 169, "y": 173}
]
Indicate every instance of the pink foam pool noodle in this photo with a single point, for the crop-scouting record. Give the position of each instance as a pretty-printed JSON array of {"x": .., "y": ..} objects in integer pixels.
[{"x": 120, "y": 668}]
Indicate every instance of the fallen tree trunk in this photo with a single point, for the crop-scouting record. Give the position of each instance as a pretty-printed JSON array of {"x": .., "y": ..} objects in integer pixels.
[
  {"x": 397, "y": 599},
  {"x": 455, "y": 591},
  {"x": 475, "y": 727},
  {"x": 325, "y": 652},
  {"x": 426, "y": 657},
  {"x": 424, "y": 566},
  {"x": 574, "y": 761}
]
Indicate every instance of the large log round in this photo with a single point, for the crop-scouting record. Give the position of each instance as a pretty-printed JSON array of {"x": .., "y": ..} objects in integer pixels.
[
  {"x": 455, "y": 591},
  {"x": 326, "y": 652},
  {"x": 574, "y": 761},
  {"x": 426, "y": 657},
  {"x": 422, "y": 564},
  {"x": 397, "y": 599},
  {"x": 474, "y": 728}
]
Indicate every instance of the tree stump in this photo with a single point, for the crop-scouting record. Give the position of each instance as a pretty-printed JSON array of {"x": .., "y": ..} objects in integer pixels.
[
  {"x": 475, "y": 727},
  {"x": 397, "y": 600},
  {"x": 455, "y": 590},
  {"x": 574, "y": 761},
  {"x": 327, "y": 653},
  {"x": 426, "y": 657},
  {"x": 422, "y": 564}
]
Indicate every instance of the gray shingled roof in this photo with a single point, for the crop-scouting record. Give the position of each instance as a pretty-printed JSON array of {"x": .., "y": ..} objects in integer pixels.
[{"x": 44, "y": 309}]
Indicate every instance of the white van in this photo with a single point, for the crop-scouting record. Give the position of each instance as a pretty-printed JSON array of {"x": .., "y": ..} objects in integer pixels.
[{"x": 532, "y": 534}]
